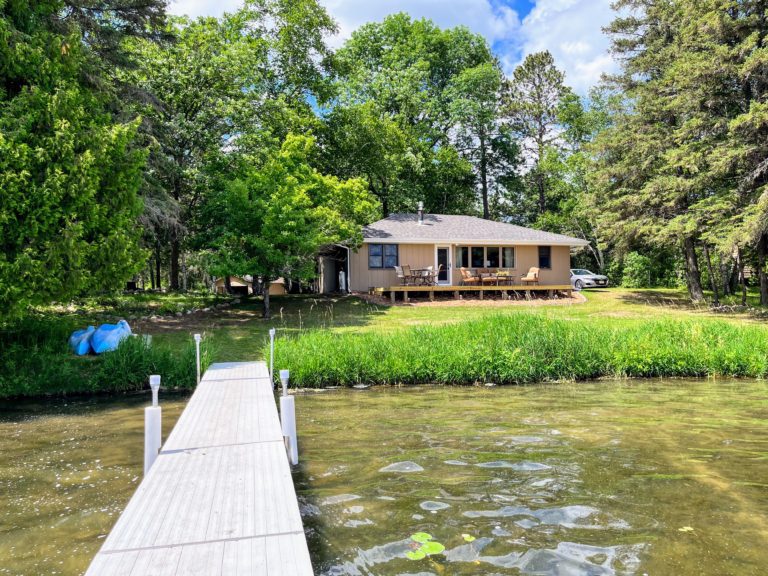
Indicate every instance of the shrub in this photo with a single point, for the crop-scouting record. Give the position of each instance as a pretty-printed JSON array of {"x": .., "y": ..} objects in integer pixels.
[{"x": 637, "y": 271}]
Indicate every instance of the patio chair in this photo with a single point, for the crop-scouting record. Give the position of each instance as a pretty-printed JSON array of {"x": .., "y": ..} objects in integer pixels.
[
  {"x": 408, "y": 277},
  {"x": 532, "y": 277},
  {"x": 432, "y": 275},
  {"x": 488, "y": 277},
  {"x": 467, "y": 278}
]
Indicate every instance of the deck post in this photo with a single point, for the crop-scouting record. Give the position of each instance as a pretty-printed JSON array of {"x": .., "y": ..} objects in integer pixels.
[
  {"x": 431, "y": 295},
  {"x": 288, "y": 420},
  {"x": 456, "y": 294},
  {"x": 197, "y": 355},
  {"x": 481, "y": 293},
  {"x": 405, "y": 296},
  {"x": 393, "y": 295},
  {"x": 153, "y": 418}
]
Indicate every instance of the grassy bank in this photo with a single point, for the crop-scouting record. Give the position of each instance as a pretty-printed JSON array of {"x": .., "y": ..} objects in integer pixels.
[
  {"x": 36, "y": 361},
  {"x": 526, "y": 347}
]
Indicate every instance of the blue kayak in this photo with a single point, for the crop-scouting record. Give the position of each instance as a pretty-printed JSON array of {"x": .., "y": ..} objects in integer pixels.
[
  {"x": 107, "y": 337},
  {"x": 80, "y": 341}
]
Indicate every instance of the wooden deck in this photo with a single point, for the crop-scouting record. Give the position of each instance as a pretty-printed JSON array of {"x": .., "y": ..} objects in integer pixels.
[
  {"x": 526, "y": 290},
  {"x": 219, "y": 499}
]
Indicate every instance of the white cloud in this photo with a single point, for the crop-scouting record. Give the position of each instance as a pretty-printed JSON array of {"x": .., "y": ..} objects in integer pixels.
[
  {"x": 495, "y": 22},
  {"x": 195, "y": 8},
  {"x": 572, "y": 31}
]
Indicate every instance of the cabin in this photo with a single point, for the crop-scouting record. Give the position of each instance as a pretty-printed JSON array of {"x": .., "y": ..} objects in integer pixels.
[{"x": 458, "y": 252}]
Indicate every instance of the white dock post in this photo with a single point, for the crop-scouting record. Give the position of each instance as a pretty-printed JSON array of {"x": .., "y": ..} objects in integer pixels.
[
  {"x": 197, "y": 355},
  {"x": 288, "y": 420},
  {"x": 152, "y": 426},
  {"x": 272, "y": 356}
]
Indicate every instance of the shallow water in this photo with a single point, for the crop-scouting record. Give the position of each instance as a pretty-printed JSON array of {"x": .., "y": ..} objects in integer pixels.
[
  {"x": 587, "y": 479},
  {"x": 67, "y": 470}
]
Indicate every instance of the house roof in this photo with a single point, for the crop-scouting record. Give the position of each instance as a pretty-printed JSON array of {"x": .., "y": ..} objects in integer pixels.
[{"x": 405, "y": 229}]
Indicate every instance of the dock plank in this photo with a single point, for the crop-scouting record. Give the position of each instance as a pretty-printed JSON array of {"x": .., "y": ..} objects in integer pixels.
[{"x": 219, "y": 499}]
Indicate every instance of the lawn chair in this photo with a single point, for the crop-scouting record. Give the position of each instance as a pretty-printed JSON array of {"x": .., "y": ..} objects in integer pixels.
[
  {"x": 401, "y": 275},
  {"x": 467, "y": 278},
  {"x": 532, "y": 277},
  {"x": 408, "y": 277},
  {"x": 433, "y": 275}
]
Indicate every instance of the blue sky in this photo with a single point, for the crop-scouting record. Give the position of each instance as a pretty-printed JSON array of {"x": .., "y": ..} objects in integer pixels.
[{"x": 570, "y": 29}]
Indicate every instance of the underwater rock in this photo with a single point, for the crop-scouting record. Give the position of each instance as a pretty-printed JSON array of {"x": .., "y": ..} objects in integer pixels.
[
  {"x": 431, "y": 505},
  {"x": 406, "y": 466}
]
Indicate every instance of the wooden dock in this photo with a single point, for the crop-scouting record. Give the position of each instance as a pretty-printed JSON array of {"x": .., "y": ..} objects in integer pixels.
[{"x": 219, "y": 499}]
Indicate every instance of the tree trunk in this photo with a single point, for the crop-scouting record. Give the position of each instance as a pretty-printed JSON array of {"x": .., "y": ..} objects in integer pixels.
[
  {"x": 265, "y": 293},
  {"x": 228, "y": 284},
  {"x": 174, "y": 264},
  {"x": 542, "y": 192},
  {"x": 712, "y": 279},
  {"x": 484, "y": 178},
  {"x": 742, "y": 280},
  {"x": 151, "y": 273},
  {"x": 184, "y": 270},
  {"x": 158, "y": 286},
  {"x": 692, "y": 273},
  {"x": 762, "y": 249}
]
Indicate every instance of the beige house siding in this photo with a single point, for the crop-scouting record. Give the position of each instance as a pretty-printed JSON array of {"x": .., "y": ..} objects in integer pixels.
[{"x": 363, "y": 278}]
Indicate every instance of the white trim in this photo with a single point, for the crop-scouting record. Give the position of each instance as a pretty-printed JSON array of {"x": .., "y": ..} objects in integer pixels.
[
  {"x": 474, "y": 242},
  {"x": 449, "y": 271}
]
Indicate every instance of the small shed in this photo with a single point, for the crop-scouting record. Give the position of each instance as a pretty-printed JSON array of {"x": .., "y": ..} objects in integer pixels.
[{"x": 243, "y": 285}]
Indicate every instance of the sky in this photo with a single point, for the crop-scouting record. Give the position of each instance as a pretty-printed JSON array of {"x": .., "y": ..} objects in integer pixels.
[{"x": 569, "y": 29}]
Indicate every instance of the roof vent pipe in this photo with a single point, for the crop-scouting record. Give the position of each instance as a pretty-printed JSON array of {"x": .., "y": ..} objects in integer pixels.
[{"x": 421, "y": 212}]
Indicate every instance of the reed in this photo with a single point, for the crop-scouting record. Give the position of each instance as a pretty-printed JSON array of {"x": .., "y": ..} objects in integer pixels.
[{"x": 524, "y": 348}]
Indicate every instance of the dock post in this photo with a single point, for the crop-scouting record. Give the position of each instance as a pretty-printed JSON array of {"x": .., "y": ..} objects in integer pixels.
[
  {"x": 288, "y": 420},
  {"x": 197, "y": 355},
  {"x": 272, "y": 357},
  {"x": 152, "y": 426}
]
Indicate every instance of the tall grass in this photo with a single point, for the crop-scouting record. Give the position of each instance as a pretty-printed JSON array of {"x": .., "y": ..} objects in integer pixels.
[
  {"x": 36, "y": 361},
  {"x": 524, "y": 348}
]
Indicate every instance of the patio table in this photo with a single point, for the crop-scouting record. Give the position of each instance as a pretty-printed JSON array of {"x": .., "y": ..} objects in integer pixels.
[{"x": 423, "y": 275}]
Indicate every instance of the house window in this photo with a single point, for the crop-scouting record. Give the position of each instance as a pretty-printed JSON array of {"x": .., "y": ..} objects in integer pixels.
[
  {"x": 492, "y": 256},
  {"x": 478, "y": 257},
  {"x": 508, "y": 257},
  {"x": 545, "y": 257},
  {"x": 462, "y": 256},
  {"x": 382, "y": 255},
  {"x": 390, "y": 255}
]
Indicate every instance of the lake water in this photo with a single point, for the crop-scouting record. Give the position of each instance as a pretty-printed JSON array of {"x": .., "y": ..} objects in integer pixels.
[
  {"x": 658, "y": 478},
  {"x": 67, "y": 470},
  {"x": 666, "y": 478}
]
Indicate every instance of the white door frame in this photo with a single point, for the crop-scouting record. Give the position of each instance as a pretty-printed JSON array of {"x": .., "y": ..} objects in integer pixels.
[{"x": 450, "y": 263}]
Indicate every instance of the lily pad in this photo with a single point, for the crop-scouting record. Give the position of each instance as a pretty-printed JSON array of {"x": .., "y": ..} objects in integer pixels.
[
  {"x": 416, "y": 554},
  {"x": 468, "y": 538},
  {"x": 430, "y": 548},
  {"x": 421, "y": 537}
]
